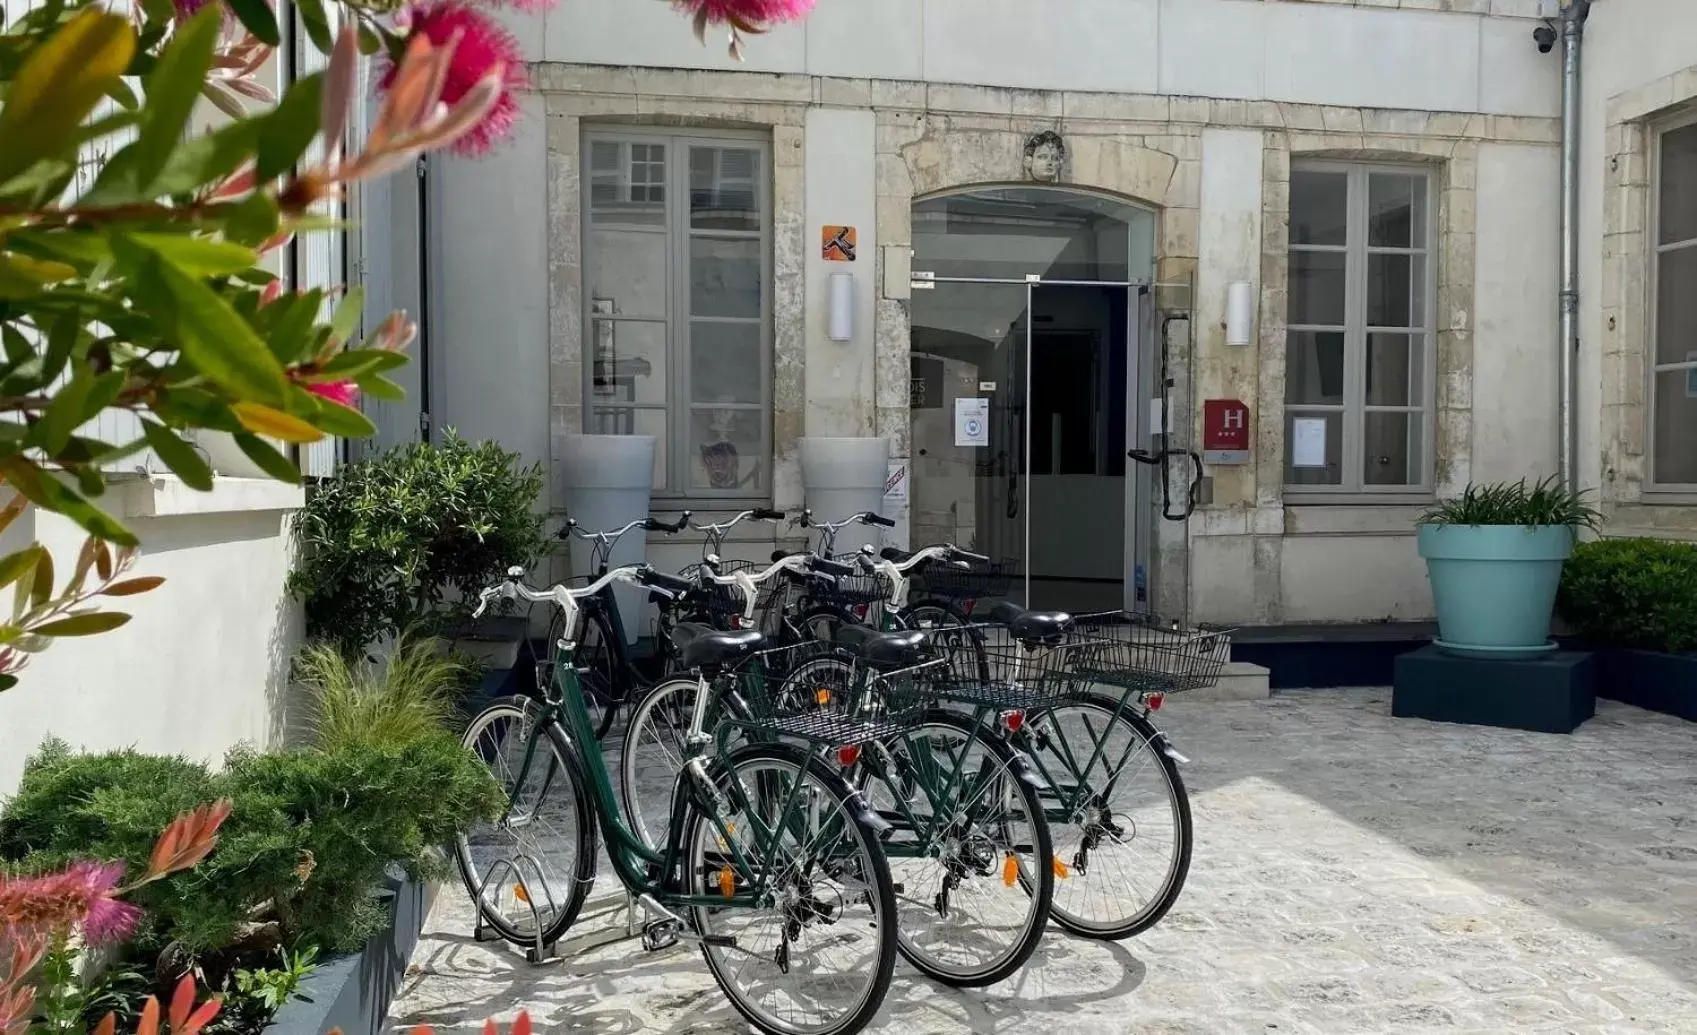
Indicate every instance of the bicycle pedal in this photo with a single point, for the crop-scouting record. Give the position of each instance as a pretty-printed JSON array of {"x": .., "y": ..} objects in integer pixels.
[{"x": 659, "y": 935}]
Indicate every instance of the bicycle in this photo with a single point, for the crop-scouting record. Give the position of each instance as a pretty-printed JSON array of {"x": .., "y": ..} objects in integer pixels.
[
  {"x": 765, "y": 879},
  {"x": 607, "y": 668},
  {"x": 967, "y": 819}
]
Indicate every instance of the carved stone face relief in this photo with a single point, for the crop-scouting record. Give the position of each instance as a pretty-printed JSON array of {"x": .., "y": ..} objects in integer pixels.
[{"x": 1045, "y": 156}]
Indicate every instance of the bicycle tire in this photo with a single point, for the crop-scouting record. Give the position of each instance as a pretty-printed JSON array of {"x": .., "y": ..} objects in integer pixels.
[
  {"x": 1037, "y": 879},
  {"x": 944, "y": 615},
  {"x": 1157, "y": 905},
  {"x": 629, "y": 779},
  {"x": 523, "y": 710},
  {"x": 880, "y": 891}
]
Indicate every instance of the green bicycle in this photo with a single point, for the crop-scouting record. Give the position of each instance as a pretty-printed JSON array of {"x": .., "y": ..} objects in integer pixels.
[{"x": 772, "y": 863}]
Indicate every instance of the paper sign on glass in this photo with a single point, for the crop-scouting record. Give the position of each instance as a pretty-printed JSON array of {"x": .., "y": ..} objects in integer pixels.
[
  {"x": 972, "y": 422},
  {"x": 1308, "y": 442}
]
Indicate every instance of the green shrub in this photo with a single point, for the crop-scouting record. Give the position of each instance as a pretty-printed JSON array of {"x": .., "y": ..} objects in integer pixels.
[
  {"x": 402, "y": 540},
  {"x": 1632, "y": 593},
  {"x": 1548, "y": 502},
  {"x": 411, "y": 693},
  {"x": 308, "y": 841}
]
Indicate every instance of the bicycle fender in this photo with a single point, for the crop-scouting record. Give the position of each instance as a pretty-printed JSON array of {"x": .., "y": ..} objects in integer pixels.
[
  {"x": 1167, "y": 749},
  {"x": 1027, "y": 773},
  {"x": 862, "y": 810}
]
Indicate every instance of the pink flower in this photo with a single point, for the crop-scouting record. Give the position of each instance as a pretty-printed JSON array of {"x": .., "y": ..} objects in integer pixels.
[
  {"x": 80, "y": 895},
  {"x": 343, "y": 392},
  {"x": 479, "y": 47},
  {"x": 749, "y": 13}
]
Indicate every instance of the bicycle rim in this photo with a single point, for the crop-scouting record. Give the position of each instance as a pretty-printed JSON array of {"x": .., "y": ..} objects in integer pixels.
[
  {"x": 1127, "y": 844},
  {"x": 816, "y": 959},
  {"x": 533, "y": 866},
  {"x": 653, "y": 755},
  {"x": 974, "y": 864}
]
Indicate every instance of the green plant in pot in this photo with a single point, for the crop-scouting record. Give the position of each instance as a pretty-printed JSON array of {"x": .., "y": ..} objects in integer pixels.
[{"x": 1494, "y": 557}]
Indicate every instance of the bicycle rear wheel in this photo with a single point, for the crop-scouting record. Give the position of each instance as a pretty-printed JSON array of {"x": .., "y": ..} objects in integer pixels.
[
  {"x": 532, "y": 868},
  {"x": 1127, "y": 839},
  {"x": 817, "y": 959},
  {"x": 970, "y": 852}
]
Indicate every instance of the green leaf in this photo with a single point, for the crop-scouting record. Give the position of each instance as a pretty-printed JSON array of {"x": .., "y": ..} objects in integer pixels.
[
  {"x": 292, "y": 335},
  {"x": 353, "y": 364},
  {"x": 120, "y": 92},
  {"x": 197, "y": 256},
  {"x": 59, "y": 84},
  {"x": 159, "y": 10},
  {"x": 7, "y": 681},
  {"x": 369, "y": 42},
  {"x": 24, "y": 277},
  {"x": 41, "y": 588},
  {"x": 84, "y": 625},
  {"x": 345, "y": 323},
  {"x": 378, "y": 387},
  {"x": 18, "y": 349},
  {"x": 39, "y": 177},
  {"x": 252, "y": 220},
  {"x": 62, "y": 338},
  {"x": 269, "y": 460},
  {"x": 15, "y": 566},
  {"x": 316, "y": 22},
  {"x": 341, "y": 421},
  {"x": 207, "y": 158},
  {"x": 75, "y": 245},
  {"x": 219, "y": 343},
  {"x": 66, "y": 412},
  {"x": 49, "y": 493},
  {"x": 178, "y": 455},
  {"x": 290, "y": 128},
  {"x": 172, "y": 89},
  {"x": 259, "y": 19},
  {"x": 195, "y": 407}
]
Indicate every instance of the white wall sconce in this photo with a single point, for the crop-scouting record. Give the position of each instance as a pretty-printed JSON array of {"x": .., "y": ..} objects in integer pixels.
[
  {"x": 840, "y": 316},
  {"x": 1240, "y": 312}
]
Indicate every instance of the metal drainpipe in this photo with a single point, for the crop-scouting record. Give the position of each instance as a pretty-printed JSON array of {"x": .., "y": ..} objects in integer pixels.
[{"x": 1573, "y": 15}]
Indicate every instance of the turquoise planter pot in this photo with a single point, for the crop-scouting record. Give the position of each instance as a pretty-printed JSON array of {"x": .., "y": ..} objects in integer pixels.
[{"x": 1495, "y": 586}]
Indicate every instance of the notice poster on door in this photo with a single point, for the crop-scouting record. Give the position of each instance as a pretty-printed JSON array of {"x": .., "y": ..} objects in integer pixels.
[
  {"x": 972, "y": 422},
  {"x": 1308, "y": 442}
]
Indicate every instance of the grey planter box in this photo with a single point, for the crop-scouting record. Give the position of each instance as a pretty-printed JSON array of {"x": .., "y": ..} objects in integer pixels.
[
  {"x": 353, "y": 992},
  {"x": 1658, "y": 681}
]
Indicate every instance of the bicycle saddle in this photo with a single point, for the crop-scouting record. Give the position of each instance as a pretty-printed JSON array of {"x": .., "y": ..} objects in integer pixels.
[
  {"x": 1031, "y": 626},
  {"x": 703, "y": 646},
  {"x": 883, "y": 649}
]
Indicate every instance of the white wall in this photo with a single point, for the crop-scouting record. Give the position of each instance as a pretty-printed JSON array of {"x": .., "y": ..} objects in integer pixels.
[
  {"x": 840, "y": 191},
  {"x": 1254, "y": 49},
  {"x": 1515, "y": 343},
  {"x": 202, "y": 666},
  {"x": 489, "y": 292},
  {"x": 1628, "y": 43}
]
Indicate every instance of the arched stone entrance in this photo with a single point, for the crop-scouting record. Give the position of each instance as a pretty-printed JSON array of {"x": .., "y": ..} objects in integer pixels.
[{"x": 1028, "y": 374}]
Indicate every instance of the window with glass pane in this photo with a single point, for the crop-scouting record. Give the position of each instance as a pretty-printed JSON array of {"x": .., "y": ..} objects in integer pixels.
[
  {"x": 1673, "y": 396},
  {"x": 677, "y": 298},
  {"x": 1357, "y": 390}
]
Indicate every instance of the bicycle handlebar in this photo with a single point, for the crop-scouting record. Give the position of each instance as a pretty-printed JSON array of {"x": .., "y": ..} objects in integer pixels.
[
  {"x": 607, "y": 538},
  {"x": 565, "y": 598},
  {"x": 799, "y": 563}
]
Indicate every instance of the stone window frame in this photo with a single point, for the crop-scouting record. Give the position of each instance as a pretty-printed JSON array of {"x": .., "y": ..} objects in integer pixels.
[
  {"x": 1634, "y": 119},
  {"x": 1356, "y": 325},
  {"x": 1454, "y": 169}
]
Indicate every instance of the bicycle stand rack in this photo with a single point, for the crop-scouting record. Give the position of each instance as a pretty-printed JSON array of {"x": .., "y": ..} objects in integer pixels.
[{"x": 536, "y": 952}]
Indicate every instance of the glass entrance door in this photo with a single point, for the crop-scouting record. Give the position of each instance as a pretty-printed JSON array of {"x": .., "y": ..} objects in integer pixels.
[{"x": 1023, "y": 404}]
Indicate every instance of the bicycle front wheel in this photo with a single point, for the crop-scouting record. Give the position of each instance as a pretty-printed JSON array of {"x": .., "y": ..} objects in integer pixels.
[
  {"x": 1121, "y": 824},
  {"x": 529, "y": 871},
  {"x": 813, "y": 955},
  {"x": 606, "y": 685}
]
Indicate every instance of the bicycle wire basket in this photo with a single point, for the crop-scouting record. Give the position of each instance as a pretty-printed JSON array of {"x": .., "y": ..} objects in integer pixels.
[
  {"x": 979, "y": 582},
  {"x": 1141, "y": 652},
  {"x": 820, "y": 693},
  {"x": 862, "y": 589},
  {"x": 981, "y": 668}
]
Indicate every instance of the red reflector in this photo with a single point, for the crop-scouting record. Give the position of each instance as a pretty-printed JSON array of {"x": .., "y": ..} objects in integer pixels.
[
  {"x": 966, "y": 607},
  {"x": 858, "y": 610},
  {"x": 848, "y": 755},
  {"x": 1156, "y": 700},
  {"x": 1014, "y": 721}
]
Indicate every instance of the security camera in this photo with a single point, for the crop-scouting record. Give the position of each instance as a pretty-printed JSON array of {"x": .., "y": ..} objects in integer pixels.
[{"x": 1545, "y": 36}]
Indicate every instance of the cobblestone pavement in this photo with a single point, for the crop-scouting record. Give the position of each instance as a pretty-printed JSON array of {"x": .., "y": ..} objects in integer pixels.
[{"x": 1353, "y": 873}]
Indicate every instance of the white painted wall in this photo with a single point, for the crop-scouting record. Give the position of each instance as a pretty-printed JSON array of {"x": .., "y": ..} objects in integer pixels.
[
  {"x": 203, "y": 664},
  {"x": 1515, "y": 346},
  {"x": 489, "y": 292},
  {"x": 1253, "y": 49},
  {"x": 841, "y": 185},
  {"x": 1627, "y": 43}
]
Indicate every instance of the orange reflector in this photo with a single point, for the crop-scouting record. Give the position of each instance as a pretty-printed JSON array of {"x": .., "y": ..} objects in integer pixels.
[
  {"x": 727, "y": 882},
  {"x": 1156, "y": 700},
  {"x": 848, "y": 755},
  {"x": 822, "y": 696},
  {"x": 1061, "y": 870},
  {"x": 521, "y": 894},
  {"x": 1010, "y": 870},
  {"x": 1013, "y": 721}
]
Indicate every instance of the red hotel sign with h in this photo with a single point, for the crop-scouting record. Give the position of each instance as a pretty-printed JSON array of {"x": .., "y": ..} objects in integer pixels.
[{"x": 1225, "y": 431}]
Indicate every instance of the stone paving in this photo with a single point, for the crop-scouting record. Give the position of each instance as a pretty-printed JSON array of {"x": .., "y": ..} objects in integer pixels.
[{"x": 1353, "y": 873}]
